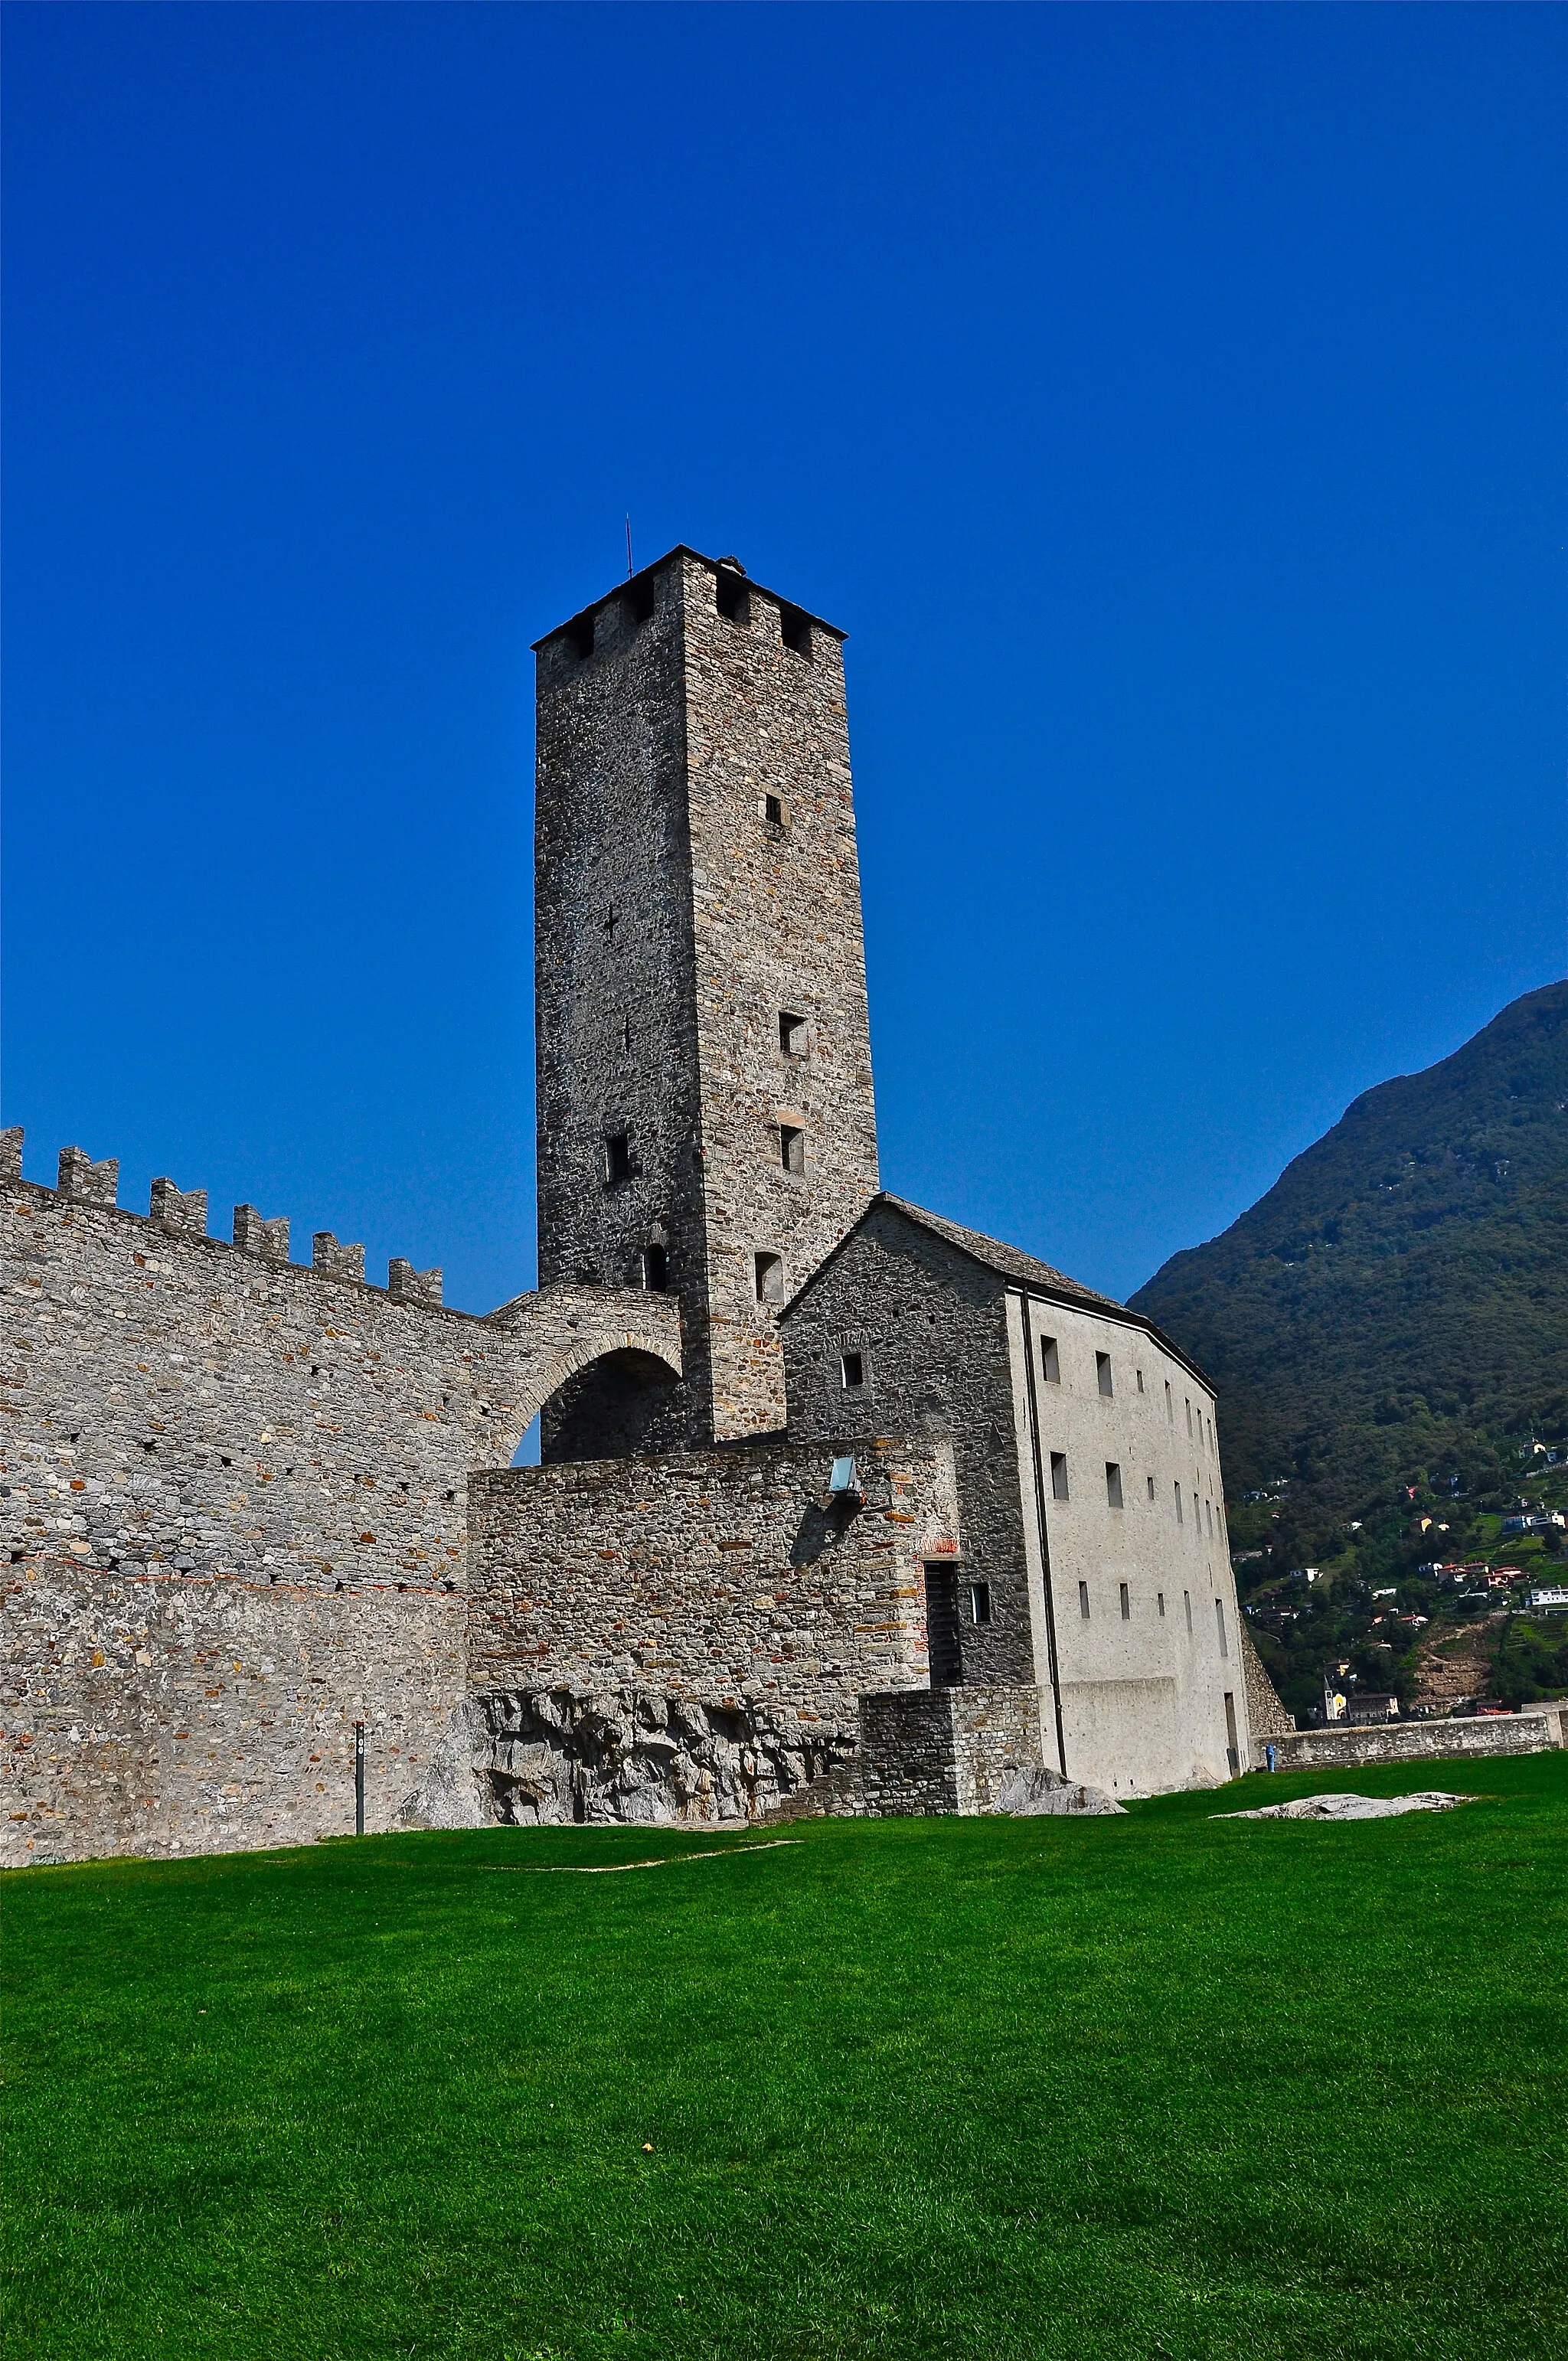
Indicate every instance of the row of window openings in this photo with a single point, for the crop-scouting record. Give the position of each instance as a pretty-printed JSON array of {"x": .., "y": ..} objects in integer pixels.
[
  {"x": 732, "y": 596},
  {"x": 1113, "y": 1494},
  {"x": 1050, "y": 1369},
  {"x": 1126, "y": 1598}
]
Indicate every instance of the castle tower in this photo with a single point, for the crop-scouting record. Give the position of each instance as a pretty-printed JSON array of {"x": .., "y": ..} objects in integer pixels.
[{"x": 706, "y": 1115}]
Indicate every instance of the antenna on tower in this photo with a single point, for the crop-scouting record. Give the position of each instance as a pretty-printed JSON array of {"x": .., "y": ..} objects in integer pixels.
[{"x": 629, "y": 549}]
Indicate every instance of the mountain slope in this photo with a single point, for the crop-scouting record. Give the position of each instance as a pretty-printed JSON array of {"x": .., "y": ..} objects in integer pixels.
[{"x": 1402, "y": 1289}]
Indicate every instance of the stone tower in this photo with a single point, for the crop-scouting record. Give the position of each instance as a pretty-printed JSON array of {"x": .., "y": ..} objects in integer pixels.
[{"x": 706, "y": 1115}]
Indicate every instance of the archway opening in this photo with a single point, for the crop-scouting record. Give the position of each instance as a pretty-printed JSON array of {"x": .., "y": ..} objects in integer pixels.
[{"x": 623, "y": 1404}]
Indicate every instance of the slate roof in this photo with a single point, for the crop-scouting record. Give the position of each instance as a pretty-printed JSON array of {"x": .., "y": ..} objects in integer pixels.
[{"x": 1009, "y": 1262}]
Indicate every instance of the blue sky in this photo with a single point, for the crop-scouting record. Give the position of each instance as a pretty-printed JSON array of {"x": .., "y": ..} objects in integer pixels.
[{"x": 1169, "y": 402}]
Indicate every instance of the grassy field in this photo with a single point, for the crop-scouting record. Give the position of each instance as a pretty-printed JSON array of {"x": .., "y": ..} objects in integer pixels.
[{"x": 1159, "y": 2085}]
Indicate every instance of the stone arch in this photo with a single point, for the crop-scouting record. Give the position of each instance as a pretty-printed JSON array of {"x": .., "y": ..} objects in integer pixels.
[{"x": 560, "y": 1333}]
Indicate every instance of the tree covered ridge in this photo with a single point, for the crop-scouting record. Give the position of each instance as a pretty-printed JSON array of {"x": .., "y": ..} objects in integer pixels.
[{"x": 1399, "y": 1301}]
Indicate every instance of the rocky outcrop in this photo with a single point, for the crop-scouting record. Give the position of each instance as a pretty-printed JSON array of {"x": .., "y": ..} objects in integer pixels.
[{"x": 543, "y": 1757}]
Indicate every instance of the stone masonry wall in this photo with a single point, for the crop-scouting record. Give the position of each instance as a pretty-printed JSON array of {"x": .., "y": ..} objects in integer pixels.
[
  {"x": 187, "y": 1426},
  {"x": 946, "y": 1751},
  {"x": 168, "y": 1712},
  {"x": 677, "y": 922},
  {"x": 660, "y": 1605},
  {"x": 1529, "y": 1732},
  {"x": 930, "y": 1328},
  {"x": 777, "y": 930}
]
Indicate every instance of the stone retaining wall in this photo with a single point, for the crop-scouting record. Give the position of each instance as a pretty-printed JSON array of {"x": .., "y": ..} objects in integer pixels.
[{"x": 1531, "y": 1732}]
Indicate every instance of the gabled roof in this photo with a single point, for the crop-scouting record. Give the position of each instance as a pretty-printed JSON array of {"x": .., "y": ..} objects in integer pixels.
[{"x": 1008, "y": 1262}]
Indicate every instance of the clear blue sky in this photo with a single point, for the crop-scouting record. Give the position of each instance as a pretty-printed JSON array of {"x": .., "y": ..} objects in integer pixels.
[{"x": 1169, "y": 402}]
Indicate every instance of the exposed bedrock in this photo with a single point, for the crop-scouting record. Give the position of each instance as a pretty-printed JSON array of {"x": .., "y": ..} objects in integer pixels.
[{"x": 544, "y": 1757}]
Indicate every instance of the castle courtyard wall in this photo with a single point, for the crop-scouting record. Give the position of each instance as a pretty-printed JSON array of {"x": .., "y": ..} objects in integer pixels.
[
  {"x": 718, "y": 1595},
  {"x": 233, "y": 1510}
]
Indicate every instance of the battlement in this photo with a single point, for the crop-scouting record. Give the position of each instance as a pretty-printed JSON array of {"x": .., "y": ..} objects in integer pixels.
[{"x": 182, "y": 1213}]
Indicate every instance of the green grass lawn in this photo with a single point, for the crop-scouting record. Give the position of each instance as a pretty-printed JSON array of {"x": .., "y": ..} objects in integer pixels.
[{"x": 1159, "y": 2085}]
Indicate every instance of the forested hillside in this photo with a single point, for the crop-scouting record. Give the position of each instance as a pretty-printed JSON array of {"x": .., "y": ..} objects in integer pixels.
[{"x": 1396, "y": 1305}]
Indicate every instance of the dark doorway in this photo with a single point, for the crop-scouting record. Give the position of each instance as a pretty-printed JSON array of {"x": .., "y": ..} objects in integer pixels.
[{"x": 942, "y": 1641}]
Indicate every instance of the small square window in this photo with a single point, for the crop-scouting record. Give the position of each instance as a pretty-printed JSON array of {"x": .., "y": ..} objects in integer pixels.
[
  {"x": 980, "y": 1602},
  {"x": 1103, "y": 1373},
  {"x": 1083, "y": 1601},
  {"x": 853, "y": 1368},
  {"x": 770, "y": 1278},
  {"x": 794, "y": 630},
  {"x": 792, "y": 1146},
  {"x": 1126, "y": 1604},
  {"x": 731, "y": 596},
  {"x": 772, "y": 810},
  {"x": 617, "y": 1157},
  {"x": 1058, "y": 1476},
  {"x": 791, "y": 1034},
  {"x": 1050, "y": 1361},
  {"x": 1113, "y": 1485}
]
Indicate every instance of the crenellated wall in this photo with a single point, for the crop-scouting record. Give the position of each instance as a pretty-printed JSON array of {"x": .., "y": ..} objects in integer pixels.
[{"x": 215, "y": 1460}]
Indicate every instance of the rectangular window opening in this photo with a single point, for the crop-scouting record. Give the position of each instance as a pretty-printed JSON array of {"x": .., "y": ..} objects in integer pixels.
[
  {"x": 580, "y": 637},
  {"x": 853, "y": 1368},
  {"x": 655, "y": 1269},
  {"x": 1149, "y": 1480},
  {"x": 617, "y": 1157},
  {"x": 792, "y": 1146},
  {"x": 1112, "y": 1484},
  {"x": 1179, "y": 1516},
  {"x": 1220, "y": 1620},
  {"x": 1140, "y": 1381},
  {"x": 1187, "y": 1603},
  {"x": 1159, "y": 1597},
  {"x": 769, "y": 1277},
  {"x": 1050, "y": 1361},
  {"x": 1083, "y": 1601},
  {"x": 1189, "y": 1416},
  {"x": 1170, "y": 1403},
  {"x": 794, "y": 630},
  {"x": 731, "y": 596},
  {"x": 1103, "y": 1373},
  {"x": 1126, "y": 1604},
  {"x": 772, "y": 810},
  {"x": 640, "y": 598},
  {"x": 980, "y": 1602},
  {"x": 791, "y": 1034},
  {"x": 1058, "y": 1476},
  {"x": 1209, "y": 1514}
]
